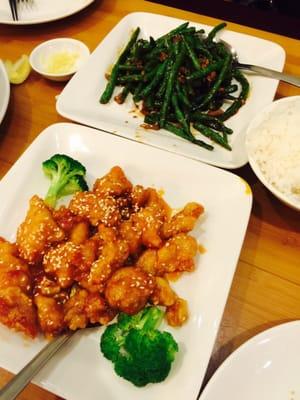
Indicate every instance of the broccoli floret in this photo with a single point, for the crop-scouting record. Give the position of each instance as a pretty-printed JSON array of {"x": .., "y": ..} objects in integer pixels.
[
  {"x": 139, "y": 351},
  {"x": 66, "y": 177}
]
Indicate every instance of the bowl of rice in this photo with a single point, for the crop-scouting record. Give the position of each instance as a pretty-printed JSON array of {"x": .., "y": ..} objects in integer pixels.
[{"x": 273, "y": 147}]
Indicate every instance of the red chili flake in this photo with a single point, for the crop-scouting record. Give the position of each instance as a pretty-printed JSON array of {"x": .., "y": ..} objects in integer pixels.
[
  {"x": 204, "y": 62},
  {"x": 163, "y": 56},
  {"x": 176, "y": 38},
  {"x": 215, "y": 113},
  {"x": 155, "y": 127},
  {"x": 212, "y": 76},
  {"x": 119, "y": 98}
]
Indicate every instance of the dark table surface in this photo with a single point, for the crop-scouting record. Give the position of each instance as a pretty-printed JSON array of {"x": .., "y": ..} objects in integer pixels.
[{"x": 282, "y": 16}]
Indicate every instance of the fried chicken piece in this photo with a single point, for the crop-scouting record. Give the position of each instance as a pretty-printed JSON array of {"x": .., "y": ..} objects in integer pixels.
[
  {"x": 113, "y": 184},
  {"x": 88, "y": 254},
  {"x": 177, "y": 254},
  {"x": 177, "y": 314},
  {"x": 60, "y": 261},
  {"x": 132, "y": 235},
  {"x": 163, "y": 294},
  {"x": 74, "y": 310},
  {"x": 151, "y": 218},
  {"x": 144, "y": 227},
  {"x": 37, "y": 232},
  {"x": 148, "y": 262},
  {"x": 97, "y": 309},
  {"x": 184, "y": 221},
  {"x": 50, "y": 315},
  {"x": 17, "y": 311},
  {"x": 139, "y": 197},
  {"x": 45, "y": 286},
  {"x": 83, "y": 308},
  {"x": 80, "y": 232},
  {"x": 98, "y": 210},
  {"x": 13, "y": 270},
  {"x": 113, "y": 254},
  {"x": 129, "y": 289},
  {"x": 65, "y": 219},
  {"x": 67, "y": 261}
]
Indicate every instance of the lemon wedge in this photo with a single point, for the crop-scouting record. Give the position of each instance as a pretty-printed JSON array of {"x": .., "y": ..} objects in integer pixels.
[{"x": 18, "y": 71}]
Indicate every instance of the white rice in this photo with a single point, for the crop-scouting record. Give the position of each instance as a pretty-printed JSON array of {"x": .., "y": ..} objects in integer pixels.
[{"x": 274, "y": 145}]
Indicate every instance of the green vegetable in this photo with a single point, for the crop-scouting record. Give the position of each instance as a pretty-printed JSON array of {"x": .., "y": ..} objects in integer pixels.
[
  {"x": 106, "y": 95},
  {"x": 140, "y": 352},
  {"x": 182, "y": 72},
  {"x": 213, "y": 135},
  {"x": 240, "y": 101},
  {"x": 66, "y": 177},
  {"x": 214, "y": 31}
]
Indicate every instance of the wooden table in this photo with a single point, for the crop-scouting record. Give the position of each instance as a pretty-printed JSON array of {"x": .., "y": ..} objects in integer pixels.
[{"x": 266, "y": 287}]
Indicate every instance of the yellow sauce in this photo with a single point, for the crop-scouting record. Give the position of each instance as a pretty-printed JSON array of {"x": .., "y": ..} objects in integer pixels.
[
  {"x": 248, "y": 190},
  {"x": 61, "y": 63},
  {"x": 201, "y": 248},
  {"x": 173, "y": 276}
]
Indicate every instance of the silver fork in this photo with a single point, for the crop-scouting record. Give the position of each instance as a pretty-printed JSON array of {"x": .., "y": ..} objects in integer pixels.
[
  {"x": 13, "y": 4},
  {"x": 11, "y": 390}
]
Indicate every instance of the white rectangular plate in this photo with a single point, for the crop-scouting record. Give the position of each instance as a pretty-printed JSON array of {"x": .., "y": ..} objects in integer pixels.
[
  {"x": 80, "y": 371},
  {"x": 79, "y": 101}
]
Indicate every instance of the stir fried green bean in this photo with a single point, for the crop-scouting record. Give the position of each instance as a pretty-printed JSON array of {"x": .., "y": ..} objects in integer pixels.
[{"x": 183, "y": 79}]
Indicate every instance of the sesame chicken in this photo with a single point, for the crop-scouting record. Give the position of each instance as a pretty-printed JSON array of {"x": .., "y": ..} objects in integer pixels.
[
  {"x": 129, "y": 289},
  {"x": 17, "y": 311},
  {"x": 114, "y": 183},
  {"x": 50, "y": 315},
  {"x": 177, "y": 314},
  {"x": 38, "y": 232},
  {"x": 163, "y": 294},
  {"x": 60, "y": 262},
  {"x": 184, "y": 221},
  {"x": 13, "y": 270},
  {"x": 83, "y": 308},
  {"x": 103, "y": 210},
  {"x": 177, "y": 254},
  {"x": 110, "y": 250}
]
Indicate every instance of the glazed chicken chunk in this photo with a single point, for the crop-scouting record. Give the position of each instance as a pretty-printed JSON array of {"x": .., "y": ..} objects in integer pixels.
[
  {"x": 16, "y": 306},
  {"x": 129, "y": 289},
  {"x": 111, "y": 249},
  {"x": 38, "y": 232}
]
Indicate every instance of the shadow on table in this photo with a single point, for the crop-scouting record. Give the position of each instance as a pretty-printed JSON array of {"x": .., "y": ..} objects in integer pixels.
[{"x": 267, "y": 207}]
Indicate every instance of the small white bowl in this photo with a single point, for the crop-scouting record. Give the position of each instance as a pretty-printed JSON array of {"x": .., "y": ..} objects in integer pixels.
[
  {"x": 42, "y": 54},
  {"x": 273, "y": 147}
]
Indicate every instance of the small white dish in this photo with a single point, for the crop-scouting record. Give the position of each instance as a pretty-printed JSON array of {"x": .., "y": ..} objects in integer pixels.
[
  {"x": 266, "y": 367},
  {"x": 4, "y": 90},
  {"x": 273, "y": 147},
  {"x": 70, "y": 51}
]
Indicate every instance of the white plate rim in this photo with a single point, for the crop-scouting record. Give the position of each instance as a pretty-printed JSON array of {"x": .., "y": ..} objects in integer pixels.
[
  {"x": 5, "y": 98},
  {"x": 244, "y": 348},
  {"x": 226, "y": 285},
  {"x": 54, "y": 18},
  {"x": 110, "y": 127}
]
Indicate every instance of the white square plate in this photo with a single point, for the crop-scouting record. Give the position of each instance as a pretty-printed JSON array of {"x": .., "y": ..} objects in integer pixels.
[
  {"x": 80, "y": 371},
  {"x": 79, "y": 101}
]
